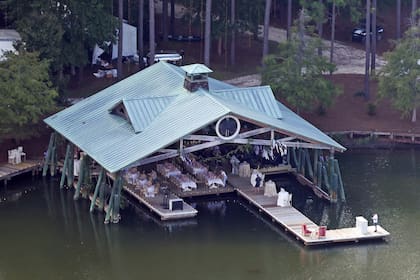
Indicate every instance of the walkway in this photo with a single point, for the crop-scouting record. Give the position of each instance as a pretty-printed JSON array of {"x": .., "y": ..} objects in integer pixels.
[{"x": 292, "y": 220}]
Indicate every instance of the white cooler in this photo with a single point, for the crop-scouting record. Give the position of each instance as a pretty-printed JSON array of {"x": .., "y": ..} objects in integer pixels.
[{"x": 362, "y": 224}]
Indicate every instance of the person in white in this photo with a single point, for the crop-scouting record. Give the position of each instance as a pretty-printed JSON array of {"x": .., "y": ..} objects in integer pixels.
[{"x": 375, "y": 221}]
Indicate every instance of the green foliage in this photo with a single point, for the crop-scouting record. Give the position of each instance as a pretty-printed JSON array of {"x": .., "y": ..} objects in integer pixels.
[
  {"x": 296, "y": 73},
  {"x": 26, "y": 94},
  {"x": 399, "y": 79},
  {"x": 63, "y": 31}
]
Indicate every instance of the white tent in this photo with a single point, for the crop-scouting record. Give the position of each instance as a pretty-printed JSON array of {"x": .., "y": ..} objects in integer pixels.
[
  {"x": 7, "y": 38},
  {"x": 129, "y": 42}
]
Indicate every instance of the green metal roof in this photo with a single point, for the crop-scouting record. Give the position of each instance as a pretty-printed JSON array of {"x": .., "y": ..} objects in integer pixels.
[
  {"x": 257, "y": 98},
  {"x": 161, "y": 111},
  {"x": 142, "y": 111}
]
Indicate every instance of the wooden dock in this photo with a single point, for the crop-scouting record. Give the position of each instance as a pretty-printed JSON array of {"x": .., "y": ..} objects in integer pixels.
[
  {"x": 155, "y": 205},
  {"x": 8, "y": 171},
  {"x": 292, "y": 220}
]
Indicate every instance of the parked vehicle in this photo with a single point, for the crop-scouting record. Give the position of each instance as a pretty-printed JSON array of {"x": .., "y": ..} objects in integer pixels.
[{"x": 359, "y": 33}]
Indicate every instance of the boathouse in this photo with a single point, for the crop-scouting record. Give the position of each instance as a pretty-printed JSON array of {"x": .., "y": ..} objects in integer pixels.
[{"x": 166, "y": 112}]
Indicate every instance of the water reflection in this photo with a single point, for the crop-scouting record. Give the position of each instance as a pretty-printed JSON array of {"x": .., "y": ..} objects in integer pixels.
[{"x": 53, "y": 237}]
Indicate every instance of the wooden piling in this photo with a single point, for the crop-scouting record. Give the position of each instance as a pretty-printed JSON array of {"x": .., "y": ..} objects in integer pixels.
[{"x": 98, "y": 186}]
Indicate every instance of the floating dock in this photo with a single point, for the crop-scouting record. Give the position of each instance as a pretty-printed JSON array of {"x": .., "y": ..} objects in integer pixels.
[
  {"x": 8, "y": 170},
  {"x": 155, "y": 205},
  {"x": 292, "y": 219}
]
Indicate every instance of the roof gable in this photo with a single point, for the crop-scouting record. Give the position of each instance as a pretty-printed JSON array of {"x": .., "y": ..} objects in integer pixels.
[{"x": 142, "y": 111}]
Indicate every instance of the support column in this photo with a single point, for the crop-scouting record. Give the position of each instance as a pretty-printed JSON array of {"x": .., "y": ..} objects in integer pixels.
[
  {"x": 340, "y": 185},
  {"x": 111, "y": 202},
  {"x": 316, "y": 165},
  {"x": 70, "y": 175},
  {"x": 98, "y": 186},
  {"x": 47, "y": 158},
  {"x": 66, "y": 170},
  {"x": 81, "y": 179},
  {"x": 117, "y": 199}
]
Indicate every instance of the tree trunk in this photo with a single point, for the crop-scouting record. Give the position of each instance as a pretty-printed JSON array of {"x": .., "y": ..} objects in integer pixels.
[
  {"x": 373, "y": 48},
  {"x": 414, "y": 116},
  {"x": 367, "y": 45},
  {"x": 207, "y": 33},
  {"x": 266, "y": 28},
  {"x": 152, "y": 47},
  {"x": 232, "y": 40},
  {"x": 165, "y": 20},
  {"x": 289, "y": 18},
  {"x": 320, "y": 28},
  {"x": 140, "y": 28},
  {"x": 398, "y": 19},
  {"x": 173, "y": 17},
  {"x": 332, "y": 32},
  {"x": 219, "y": 45},
  {"x": 301, "y": 39},
  {"x": 413, "y": 12},
  {"x": 120, "y": 39}
]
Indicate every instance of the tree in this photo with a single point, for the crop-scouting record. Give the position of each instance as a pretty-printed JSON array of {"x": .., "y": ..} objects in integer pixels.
[
  {"x": 207, "y": 32},
  {"x": 152, "y": 48},
  {"x": 120, "y": 38},
  {"x": 297, "y": 72},
  {"x": 367, "y": 49},
  {"x": 140, "y": 28},
  {"x": 26, "y": 94},
  {"x": 398, "y": 18},
  {"x": 399, "y": 79},
  {"x": 70, "y": 29},
  {"x": 233, "y": 39},
  {"x": 266, "y": 27}
]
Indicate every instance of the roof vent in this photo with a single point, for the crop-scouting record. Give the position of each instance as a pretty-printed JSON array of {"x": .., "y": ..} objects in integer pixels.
[{"x": 196, "y": 76}]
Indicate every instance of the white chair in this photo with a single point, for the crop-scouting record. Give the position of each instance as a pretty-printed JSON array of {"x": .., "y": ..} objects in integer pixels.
[
  {"x": 11, "y": 156},
  {"x": 21, "y": 153}
]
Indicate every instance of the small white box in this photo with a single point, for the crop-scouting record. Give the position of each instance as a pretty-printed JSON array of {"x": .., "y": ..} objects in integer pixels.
[{"x": 362, "y": 224}]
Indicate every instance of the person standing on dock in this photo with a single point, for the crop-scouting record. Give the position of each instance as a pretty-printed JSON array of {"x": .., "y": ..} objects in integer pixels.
[{"x": 375, "y": 221}]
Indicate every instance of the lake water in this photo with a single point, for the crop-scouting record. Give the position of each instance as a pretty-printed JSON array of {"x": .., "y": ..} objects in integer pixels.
[{"x": 47, "y": 235}]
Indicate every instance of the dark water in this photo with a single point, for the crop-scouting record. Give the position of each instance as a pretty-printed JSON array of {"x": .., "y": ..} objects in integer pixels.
[{"x": 44, "y": 234}]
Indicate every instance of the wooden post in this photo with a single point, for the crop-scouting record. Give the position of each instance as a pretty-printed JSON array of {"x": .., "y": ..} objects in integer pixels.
[
  {"x": 309, "y": 164},
  {"x": 319, "y": 175},
  {"x": 117, "y": 197},
  {"x": 111, "y": 202},
  {"x": 326, "y": 178},
  {"x": 334, "y": 183},
  {"x": 70, "y": 175},
  {"x": 53, "y": 156},
  {"x": 48, "y": 155},
  {"x": 302, "y": 160},
  {"x": 65, "y": 166},
  {"x": 294, "y": 159},
  {"x": 98, "y": 186},
  {"x": 82, "y": 174},
  {"x": 340, "y": 182},
  {"x": 316, "y": 165},
  {"x": 102, "y": 193}
]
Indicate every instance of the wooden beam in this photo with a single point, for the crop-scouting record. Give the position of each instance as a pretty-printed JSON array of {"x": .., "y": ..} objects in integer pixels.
[
  {"x": 98, "y": 186},
  {"x": 254, "y": 132},
  {"x": 65, "y": 166}
]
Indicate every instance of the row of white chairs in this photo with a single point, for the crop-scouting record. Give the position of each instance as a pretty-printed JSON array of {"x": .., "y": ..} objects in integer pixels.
[{"x": 15, "y": 156}]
